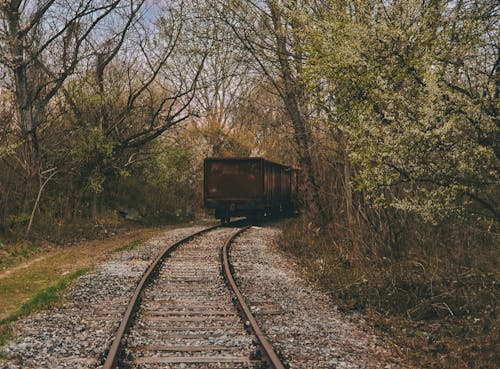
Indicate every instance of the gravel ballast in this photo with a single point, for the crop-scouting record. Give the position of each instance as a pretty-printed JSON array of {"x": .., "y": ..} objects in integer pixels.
[
  {"x": 187, "y": 318},
  {"x": 300, "y": 321}
]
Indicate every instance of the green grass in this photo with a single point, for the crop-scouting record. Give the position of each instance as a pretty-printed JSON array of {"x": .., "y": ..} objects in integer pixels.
[
  {"x": 43, "y": 299},
  {"x": 5, "y": 335}
]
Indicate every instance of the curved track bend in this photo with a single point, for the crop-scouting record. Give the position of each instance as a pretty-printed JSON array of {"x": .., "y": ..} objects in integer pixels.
[{"x": 182, "y": 314}]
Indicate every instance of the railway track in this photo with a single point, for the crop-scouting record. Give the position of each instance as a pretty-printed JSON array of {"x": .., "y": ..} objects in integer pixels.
[{"x": 187, "y": 312}]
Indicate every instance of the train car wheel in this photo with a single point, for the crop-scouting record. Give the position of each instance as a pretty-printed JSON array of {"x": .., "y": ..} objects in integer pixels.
[{"x": 226, "y": 218}]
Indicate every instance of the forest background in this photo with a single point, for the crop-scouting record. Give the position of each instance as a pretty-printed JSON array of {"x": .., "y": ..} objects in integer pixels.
[{"x": 390, "y": 109}]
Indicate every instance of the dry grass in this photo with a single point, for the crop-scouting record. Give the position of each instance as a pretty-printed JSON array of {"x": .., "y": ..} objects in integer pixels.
[
  {"x": 437, "y": 299},
  {"x": 36, "y": 278}
]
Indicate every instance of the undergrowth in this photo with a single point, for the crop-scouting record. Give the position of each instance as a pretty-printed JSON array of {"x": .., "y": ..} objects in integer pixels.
[
  {"x": 13, "y": 254},
  {"x": 437, "y": 295},
  {"x": 63, "y": 231}
]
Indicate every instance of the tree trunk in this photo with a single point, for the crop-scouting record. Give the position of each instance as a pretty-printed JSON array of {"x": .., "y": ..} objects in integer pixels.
[
  {"x": 302, "y": 141},
  {"x": 95, "y": 200},
  {"x": 293, "y": 93},
  {"x": 29, "y": 115}
]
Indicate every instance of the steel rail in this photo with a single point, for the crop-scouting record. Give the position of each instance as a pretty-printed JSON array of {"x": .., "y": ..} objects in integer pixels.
[
  {"x": 268, "y": 351},
  {"x": 114, "y": 349}
]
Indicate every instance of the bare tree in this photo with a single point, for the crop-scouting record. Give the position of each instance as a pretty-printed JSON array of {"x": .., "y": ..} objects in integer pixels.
[
  {"x": 136, "y": 90},
  {"x": 225, "y": 84},
  {"x": 270, "y": 32},
  {"x": 159, "y": 72},
  {"x": 42, "y": 43}
]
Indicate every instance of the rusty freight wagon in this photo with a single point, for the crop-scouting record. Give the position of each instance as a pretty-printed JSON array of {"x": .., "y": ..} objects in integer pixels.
[{"x": 251, "y": 187}]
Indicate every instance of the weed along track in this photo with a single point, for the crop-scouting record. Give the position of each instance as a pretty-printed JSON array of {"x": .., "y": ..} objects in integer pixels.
[{"x": 182, "y": 315}]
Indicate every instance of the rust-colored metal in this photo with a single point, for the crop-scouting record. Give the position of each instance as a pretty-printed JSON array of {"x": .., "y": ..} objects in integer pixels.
[
  {"x": 250, "y": 187},
  {"x": 267, "y": 349},
  {"x": 114, "y": 350}
]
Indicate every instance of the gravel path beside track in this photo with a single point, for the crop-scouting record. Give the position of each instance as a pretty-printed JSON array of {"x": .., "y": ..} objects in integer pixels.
[{"x": 301, "y": 322}]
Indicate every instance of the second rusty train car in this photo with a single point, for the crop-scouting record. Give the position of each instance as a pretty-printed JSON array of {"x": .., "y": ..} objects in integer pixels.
[{"x": 252, "y": 187}]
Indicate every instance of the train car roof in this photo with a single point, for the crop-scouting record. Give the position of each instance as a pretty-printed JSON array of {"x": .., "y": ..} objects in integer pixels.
[{"x": 248, "y": 158}]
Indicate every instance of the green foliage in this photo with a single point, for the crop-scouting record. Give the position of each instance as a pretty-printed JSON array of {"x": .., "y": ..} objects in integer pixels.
[
  {"x": 93, "y": 153},
  {"x": 164, "y": 188},
  {"x": 410, "y": 92},
  {"x": 412, "y": 87},
  {"x": 6, "y": 335},
  {"x": 22, "y": 218}
]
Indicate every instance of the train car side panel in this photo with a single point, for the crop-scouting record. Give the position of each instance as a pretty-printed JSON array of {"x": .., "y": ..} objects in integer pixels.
[
  {"x": 250, "y": 187},
  {"x": 234, "y": 186},
  {"x": 233, "y": 180}
]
